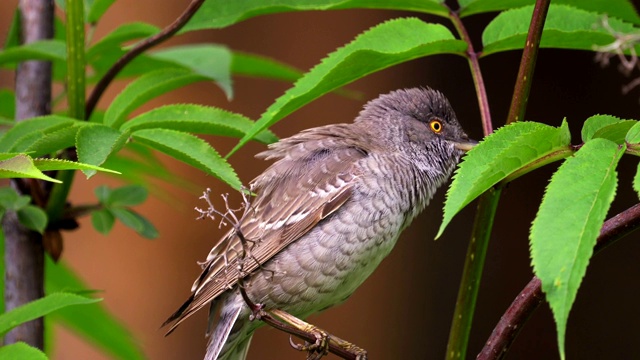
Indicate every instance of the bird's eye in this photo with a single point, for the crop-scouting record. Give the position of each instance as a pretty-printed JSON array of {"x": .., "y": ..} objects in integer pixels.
[{"x": 436, "y": 126}]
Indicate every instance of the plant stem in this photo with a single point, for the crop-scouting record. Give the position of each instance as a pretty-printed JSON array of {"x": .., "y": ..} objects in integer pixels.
[
  {"x": 528, "y": 63},
  {"x": 476, "y": 253},
  {"x": 75, "y": 98},
  {"x": 476, "y": 74},
  {"x": 471, "y": 275},
  {"x": 138, "y": 49},
  {"x": 531, "y": 296},
  {"x": 24, "y": 253}
]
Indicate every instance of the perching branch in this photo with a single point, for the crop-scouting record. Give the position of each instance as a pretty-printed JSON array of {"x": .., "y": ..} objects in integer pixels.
[{"x": 531, "y": 296}]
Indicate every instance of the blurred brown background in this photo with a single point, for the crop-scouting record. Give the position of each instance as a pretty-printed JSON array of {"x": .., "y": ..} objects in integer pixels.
[{"x": 404, "y": 310}]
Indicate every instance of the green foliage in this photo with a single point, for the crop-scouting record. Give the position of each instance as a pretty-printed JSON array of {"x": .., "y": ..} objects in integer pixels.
[
  {"x": 565, "y": 28},
  {"x": 563, "y": 232},
  {"x": 39, "y": 308},
  {"x": 512, "y": 150},
  {"x": 569, "y": 221},
  {"x": 21, "y": 351},
  {"x": 389, "y": 43}
]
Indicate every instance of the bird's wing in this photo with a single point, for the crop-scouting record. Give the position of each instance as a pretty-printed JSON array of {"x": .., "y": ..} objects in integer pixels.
[{"x": 313, "y": 177}]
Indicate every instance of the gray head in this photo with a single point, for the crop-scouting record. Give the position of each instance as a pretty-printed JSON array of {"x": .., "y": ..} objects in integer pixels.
[{"x": 420, "y": 117}]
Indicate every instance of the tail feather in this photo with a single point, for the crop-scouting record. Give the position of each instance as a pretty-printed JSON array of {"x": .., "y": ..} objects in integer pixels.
[{"x": 218, "y": 340}]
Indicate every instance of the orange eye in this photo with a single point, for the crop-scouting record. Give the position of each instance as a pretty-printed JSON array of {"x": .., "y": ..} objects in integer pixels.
[{"x": 436, "y": 126}]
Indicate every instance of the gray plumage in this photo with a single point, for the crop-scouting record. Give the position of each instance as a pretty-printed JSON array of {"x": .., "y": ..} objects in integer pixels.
[{"x": 327, "y": 212}]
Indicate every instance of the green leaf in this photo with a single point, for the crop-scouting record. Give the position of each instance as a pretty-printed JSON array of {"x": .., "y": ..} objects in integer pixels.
[
  {"x": 96, "y": 143},
  {"x": 7, "y": 103},
  {"x": 595, "y": 123},
  {"x": 262, "y": 67},
  {"x": 102, "y": 192},
  {"x": 386, "y": 44},
  {"x": 128, "y": 195},
  {"x": 102, "y": 221},
  {"x": 636, "y": 181},
  {"x": 114, "y": 40},
  {"x": 33, "y": 217},
  {"x": 37, "y": 50},
  {"x": 111, "y": 336},
  {"x": 568, "y": 222},
  {"x": 21, "y": 351},
  {"x": 135, "y": 221},
  {"x": 22, "y": 166},
  {"x": 511, "y": 151},
  {"x": 11, "y": 200},
  {"x": 633, "y": 135},
  {"x": 615, "y": 132},
  {"x": 216, "y": 14},
  {"x": 197, "y": 119},
  {"x": 39, "y": 308},
  {"x": 622, "y": 9},
  {"x": 189, "y": 149},
  {"x": 211, "y": 61},
  {"x": 565, "y": 28},
  {"x": 59, "y": 164},
  {"x": 51, "y": 140},
  {"x": 28, "y": 132},
  {"x": 146, "y": 88},
  {"x": 96, "y": 8}
]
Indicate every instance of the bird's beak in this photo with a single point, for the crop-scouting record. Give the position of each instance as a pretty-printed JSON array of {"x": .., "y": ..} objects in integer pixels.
[{"x": 465, "y": 145}]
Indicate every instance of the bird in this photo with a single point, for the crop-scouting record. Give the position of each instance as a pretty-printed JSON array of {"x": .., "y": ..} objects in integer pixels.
[{"x": 326, "y": 212}]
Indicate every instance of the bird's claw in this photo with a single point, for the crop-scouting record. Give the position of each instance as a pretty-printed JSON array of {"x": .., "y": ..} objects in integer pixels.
[{"x": 316, "y": 350}]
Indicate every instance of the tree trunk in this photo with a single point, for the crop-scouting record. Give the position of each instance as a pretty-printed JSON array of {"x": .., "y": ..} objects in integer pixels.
[{"x": 24, "y": 253}]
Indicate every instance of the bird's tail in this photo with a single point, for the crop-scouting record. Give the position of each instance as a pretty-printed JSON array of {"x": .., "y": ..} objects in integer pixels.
[{"x": 231, "y": 338}]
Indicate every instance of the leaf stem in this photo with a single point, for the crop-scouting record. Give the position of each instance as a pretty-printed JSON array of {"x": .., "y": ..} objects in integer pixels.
[
  {"x": 476, "y": 74},
  {"x": 138, "y": 49},
  {"x": 531, "y": 296}
]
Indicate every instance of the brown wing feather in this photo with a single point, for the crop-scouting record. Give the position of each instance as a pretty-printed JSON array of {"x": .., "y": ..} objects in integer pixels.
[{"x": 313, "y": 178}]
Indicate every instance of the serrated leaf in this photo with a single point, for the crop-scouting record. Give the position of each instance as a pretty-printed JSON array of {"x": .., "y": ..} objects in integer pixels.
[
  {"x": 27, "y": 132},
  {"x": 59, "y": 164},
  {"x": 198, "y": 119},
  {"x": 96, "y": 143},
  {"x": 615, "y": 132},
  {"x": 135, "y": 221},
  {"x": 622, "y": 9},
  {"x": 633, "y": 135},
  {"x": 50, "y": 141},
  {"x": 216, "y": 14},
  {"x": 146, "y": 88},
  {"x": 102, "y": 221},
  {"x": 211, "y": 61},
  {"x": 508, "y": 31},
  {"x": 568, "y": 222},
  {"x": 512, "y": 149},
  {"x": 37, "y": 50},
  {"x": 111, "y": 336},
  {"x": 189, "y": 149},
  {"x": 128, "y": 195},
  {"x": 386, "y": 44},
  {"x": 39, "y": 308},
  {"x": 595, "y": 123},
  {"x": 21, "y": 351},
  {"x": 22, "y": 166},
  {"x": 33, "y": 217}
]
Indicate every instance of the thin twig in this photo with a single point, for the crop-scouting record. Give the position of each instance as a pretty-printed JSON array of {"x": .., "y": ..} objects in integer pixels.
[
  {"x": 531, "y": 296},
  {"x": 138, "y": 49}
]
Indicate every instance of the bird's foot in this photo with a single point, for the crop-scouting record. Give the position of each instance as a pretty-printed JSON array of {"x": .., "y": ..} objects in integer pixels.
[{"x": 315, "y": 350}]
